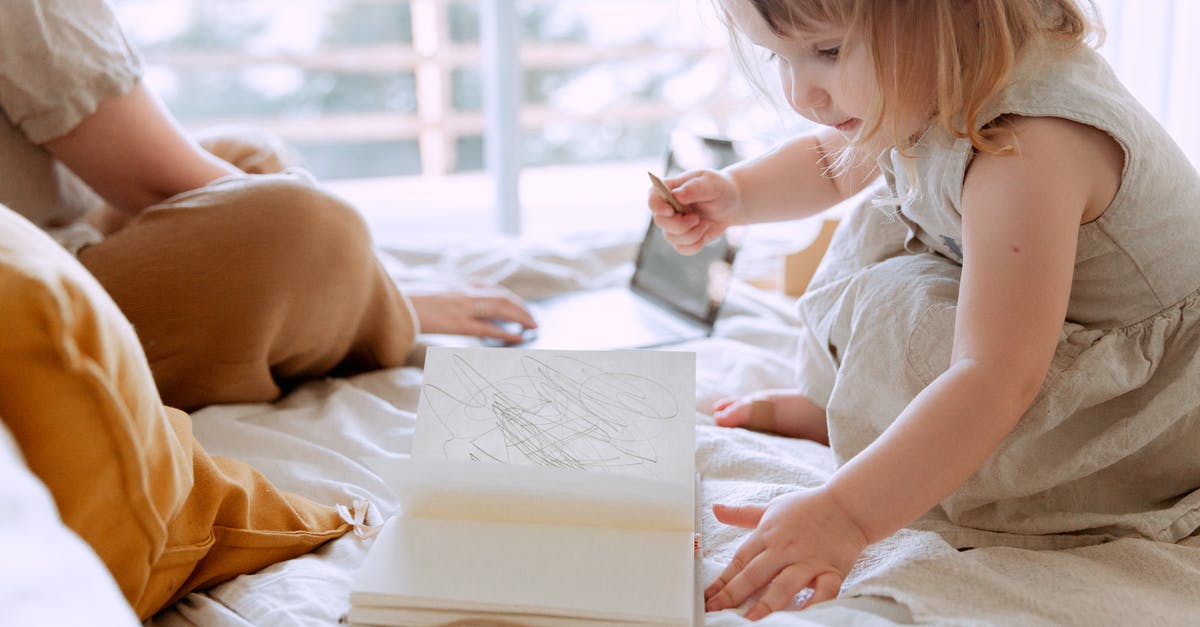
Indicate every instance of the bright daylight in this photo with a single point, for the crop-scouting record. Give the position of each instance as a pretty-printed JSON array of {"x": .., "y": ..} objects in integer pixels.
[{"x": 599, "y": 313}]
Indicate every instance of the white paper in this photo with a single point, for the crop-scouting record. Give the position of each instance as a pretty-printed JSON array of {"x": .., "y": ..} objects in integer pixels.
[
  {"x": 548, "y": 496},
  {"x": 619, "y": 575},
  {"x": 624, "y": 412},
  {"x": 542, "y": 483}
]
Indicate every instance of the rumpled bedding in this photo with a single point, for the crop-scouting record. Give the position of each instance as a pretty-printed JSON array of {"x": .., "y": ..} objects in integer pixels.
[{"x": 313, "y": 440}]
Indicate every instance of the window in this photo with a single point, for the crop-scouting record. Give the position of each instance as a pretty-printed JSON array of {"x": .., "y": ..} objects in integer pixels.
[
  {"x": 384, "y": 99},
  {"x": 1152, "y": 45}
]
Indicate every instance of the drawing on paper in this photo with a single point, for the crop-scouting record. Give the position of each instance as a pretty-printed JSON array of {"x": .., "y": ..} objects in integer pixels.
[{"x": 555, "y": 410}]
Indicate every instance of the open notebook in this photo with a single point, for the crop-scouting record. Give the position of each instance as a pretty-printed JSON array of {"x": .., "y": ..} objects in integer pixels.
[{"x": 544, "y": 488}]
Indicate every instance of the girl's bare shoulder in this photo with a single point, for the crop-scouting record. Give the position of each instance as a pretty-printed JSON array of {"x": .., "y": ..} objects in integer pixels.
[{"x": 1084, "y": 158}]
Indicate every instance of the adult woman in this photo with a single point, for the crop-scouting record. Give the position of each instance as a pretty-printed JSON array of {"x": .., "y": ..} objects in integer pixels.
[{"x": 238, "y": 284}]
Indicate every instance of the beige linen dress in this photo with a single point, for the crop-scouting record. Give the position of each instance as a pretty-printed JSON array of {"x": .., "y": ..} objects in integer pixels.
[{"x": 1111, "y": 446}]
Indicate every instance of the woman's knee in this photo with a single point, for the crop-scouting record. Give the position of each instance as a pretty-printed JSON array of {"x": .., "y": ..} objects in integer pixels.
[
  {"x": 310, "y": 215},
  {"x": 251, "y": 149},
  {"x": 307, "y": 233}
]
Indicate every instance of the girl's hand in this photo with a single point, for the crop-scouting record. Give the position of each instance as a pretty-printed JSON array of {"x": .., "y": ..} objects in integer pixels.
[
  {"x": 801, "y": 540},
  {"x": 713, "y": 204},
  {"x": 472, "y": 311}
]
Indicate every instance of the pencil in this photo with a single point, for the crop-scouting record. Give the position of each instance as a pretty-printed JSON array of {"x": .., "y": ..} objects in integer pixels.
[{"x": 666, "y": 194}]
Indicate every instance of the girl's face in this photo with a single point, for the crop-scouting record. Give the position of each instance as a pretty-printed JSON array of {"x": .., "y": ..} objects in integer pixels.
[{"x": 826, "y": 76}]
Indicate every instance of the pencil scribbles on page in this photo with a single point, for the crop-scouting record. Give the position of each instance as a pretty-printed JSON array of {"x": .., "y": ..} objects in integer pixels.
[{"x": 559, "y": 412}]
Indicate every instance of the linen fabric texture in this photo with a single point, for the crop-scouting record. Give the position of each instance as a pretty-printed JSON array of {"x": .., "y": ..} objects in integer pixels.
[
  {"x": 59, "y": 59},
  {"x": 1108, "y": 448}
]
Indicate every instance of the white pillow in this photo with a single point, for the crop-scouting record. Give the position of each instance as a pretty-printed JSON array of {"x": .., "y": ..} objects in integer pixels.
[{"x": 48, "y": 576}]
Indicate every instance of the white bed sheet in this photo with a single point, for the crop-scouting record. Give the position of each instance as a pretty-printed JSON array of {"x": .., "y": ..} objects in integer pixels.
[{"x": 311, "y": 441}]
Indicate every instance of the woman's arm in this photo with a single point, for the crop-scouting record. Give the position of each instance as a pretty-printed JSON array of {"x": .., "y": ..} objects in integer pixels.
[
  {"x": 1021, "y": 216},
  {"x": 793, "y": 180},
  {"x": 134, "y": 154}
]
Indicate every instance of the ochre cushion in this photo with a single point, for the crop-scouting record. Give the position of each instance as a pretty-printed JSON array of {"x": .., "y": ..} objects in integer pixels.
[
  {"x": 42, "y": 558},
  {"x": 124, "y": 470}
]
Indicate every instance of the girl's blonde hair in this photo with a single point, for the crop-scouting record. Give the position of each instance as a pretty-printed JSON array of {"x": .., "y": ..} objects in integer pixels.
[{"x": 940, "y": 59}]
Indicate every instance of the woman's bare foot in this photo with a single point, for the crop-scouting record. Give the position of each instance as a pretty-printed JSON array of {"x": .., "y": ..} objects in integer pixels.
[{"x": 782, "y": 412}]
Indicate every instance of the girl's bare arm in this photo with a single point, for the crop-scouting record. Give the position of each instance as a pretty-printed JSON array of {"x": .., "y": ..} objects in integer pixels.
[
  {"x": 1021, "y": 216},
  {"x": 794, "y": 180}
]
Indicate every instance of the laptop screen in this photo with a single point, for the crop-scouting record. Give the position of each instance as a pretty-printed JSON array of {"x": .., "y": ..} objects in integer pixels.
[{"x": 692, "y": 285}]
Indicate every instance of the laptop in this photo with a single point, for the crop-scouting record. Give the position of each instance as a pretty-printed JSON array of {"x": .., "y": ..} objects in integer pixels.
[{"x": 670, "y": 298}]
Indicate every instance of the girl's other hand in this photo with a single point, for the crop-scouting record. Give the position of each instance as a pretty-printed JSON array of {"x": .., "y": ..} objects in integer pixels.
[
  {"x": 801, "y": 540},
  {"x": 472, "y": 311},
  {"x": 713, "y": 204}
]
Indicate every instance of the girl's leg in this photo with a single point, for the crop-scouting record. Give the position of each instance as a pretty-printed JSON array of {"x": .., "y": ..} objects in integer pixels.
[
  {"x": 782, "y": 412},
  {"x": 797, "y": 412},
  {"x": 248, "y": 284}
]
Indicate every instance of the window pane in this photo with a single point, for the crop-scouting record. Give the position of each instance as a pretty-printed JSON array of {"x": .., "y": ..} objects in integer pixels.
[
  {"x": 390, "y": 92},
  {"x": 336, "y": 78},
  {"x": 463, "y": 20},
  {"x": 278, "y": 90},
  {"x": 607, "y": 80},
  {"x": 466, "y": 89},
  {"x": 469, "y": 150},
  {"x": 612, "y": 140},
  {"x": 361, "y": 159},
  {"x": 363, "y": 23}
]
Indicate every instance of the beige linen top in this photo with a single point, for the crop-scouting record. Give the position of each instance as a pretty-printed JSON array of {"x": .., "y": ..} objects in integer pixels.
[{"x": 58, "y": 60}]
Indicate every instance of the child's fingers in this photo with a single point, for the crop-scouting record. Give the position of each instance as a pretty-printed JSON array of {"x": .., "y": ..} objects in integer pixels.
[
  {"x": 788, "y": 583},
  {"x": 693, "y": 190},
  {"x": 825, "y": 587},
  {"x": 706, "y": 233},
  {"x": 674, "y": 224},
  {"x": 745, "y": 515},
  {"x": 691, "y": 238},
  {"x": 662, "y": 206},
  {"x": 750, "y": 568},
  {"x": 658, "y": 205},
  {"x": 688, "y": 232},
  {"x": 779, "y": 593}
]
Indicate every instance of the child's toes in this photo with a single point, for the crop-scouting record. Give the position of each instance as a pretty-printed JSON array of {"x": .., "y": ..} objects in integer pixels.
[
  {"x": 733, "y": 415},
  {"x": 759, "y": 415}
]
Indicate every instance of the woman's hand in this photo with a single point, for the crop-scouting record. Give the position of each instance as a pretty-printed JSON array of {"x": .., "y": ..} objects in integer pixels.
[
  {"x": 472, "y": 311},
  {"x": 801, "y": 540},
  {"x": 713, "y": 204}
]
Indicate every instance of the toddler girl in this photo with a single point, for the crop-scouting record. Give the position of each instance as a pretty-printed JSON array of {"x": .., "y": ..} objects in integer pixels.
[{"x": 1014, "y": 338}]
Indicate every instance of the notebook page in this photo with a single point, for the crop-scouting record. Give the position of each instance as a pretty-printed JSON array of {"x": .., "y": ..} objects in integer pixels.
[
  {"x": 629, "y": 412},
  {"x": 551, "y": 570},
  {"x": 535, "y": 494}
]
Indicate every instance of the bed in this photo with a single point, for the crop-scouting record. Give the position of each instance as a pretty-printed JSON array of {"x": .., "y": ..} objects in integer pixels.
[{"x": 312, "y": 440}]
